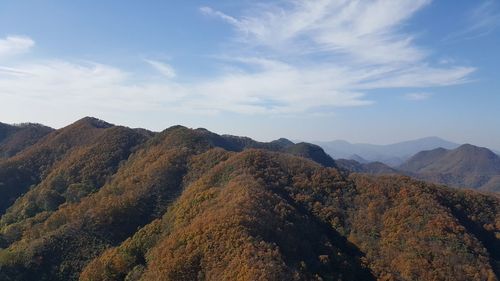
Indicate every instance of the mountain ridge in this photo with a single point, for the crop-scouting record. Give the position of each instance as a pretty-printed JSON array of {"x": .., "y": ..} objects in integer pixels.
[
  {"x": 15, "y": 138},
  {"x": 114, "y": 203},
  {"x": 391, "y": 154},
  {"x": 465, "y": 166}
]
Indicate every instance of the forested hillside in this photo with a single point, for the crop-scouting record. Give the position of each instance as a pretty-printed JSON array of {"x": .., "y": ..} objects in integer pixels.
[
  {"x": 467, "y": 166},
  {"x": 15, "y": 138},
  {"x": 94, "y": 201}
]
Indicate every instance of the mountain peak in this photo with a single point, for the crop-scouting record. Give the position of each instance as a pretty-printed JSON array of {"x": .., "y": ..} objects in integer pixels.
[
  {"x": 466, "y": 166},
  {"x": 93, "y": 122},
  {"x": 470, "y": 147},
  {"x": 311, "y": 151},
  {"x": 283, "y": 142}
]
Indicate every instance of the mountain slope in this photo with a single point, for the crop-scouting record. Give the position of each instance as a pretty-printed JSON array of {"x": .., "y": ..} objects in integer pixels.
[
  {"x": 34, "y": 163},
  {"x": 373, "y": 168},
  {"x": 14, "y": 139},
  {"x": 466, "y": 166},
  {"x": 244, "y": 226},
  {"x": 145, "y": 185},
  {"x": 80, "y": 173},
  {"x": 391, "y": 154},
  {"x": 188, "y": 204},
  {"x": 302, "y": 149},
  {"x": 202, "y": 239}
]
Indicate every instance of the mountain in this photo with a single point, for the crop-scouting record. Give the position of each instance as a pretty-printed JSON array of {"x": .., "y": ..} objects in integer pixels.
[
  {"x": 358, "y": 158},
  {"x": 90, "y": 148},
  {"x": 15, "y": 138},
  {"x": 310, "y": 151},
  {"x": 102, "y": 146},
  {"x": 373, "y": 168},
  {"x": 95, "y": 201},
  {"x": 466, "y": 166},
  {"x": 391, "y": 154},
  {"x": 302, "y": 149}
]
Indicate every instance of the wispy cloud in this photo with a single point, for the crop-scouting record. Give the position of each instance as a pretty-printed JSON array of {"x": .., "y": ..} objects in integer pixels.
[
  {"x": 485, "y": 17},
  {"x": 165, "y": 69},
  {"x": 211, "y": 12},
  {"x": 368, "y": 31},
  {"x": 344, "y": 48},
  {"x": 77, "y": 84},
  {"x": 480, "y": 21},
  {"x": 292, "y": 58},
  {"x": 417, "y": 96},
  {"x": 13, "y": 45},
  {"x": 275, "y": 89}
]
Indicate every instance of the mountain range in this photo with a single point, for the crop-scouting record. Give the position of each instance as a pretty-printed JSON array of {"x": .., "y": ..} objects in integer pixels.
[
  {"x": 391, "y": 154},
  {"x": 466, "y": 166},
  {"x": 95, "y": 201}
]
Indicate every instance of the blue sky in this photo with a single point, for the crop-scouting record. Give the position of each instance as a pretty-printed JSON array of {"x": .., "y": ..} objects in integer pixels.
[{"x": 374, "y": 71}]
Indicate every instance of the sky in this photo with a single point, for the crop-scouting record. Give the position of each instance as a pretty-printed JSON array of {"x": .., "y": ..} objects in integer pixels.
[{"x": 375, "y": 71}]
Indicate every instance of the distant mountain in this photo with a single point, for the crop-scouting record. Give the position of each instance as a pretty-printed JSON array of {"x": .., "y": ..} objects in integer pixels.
[
  {"x": 373, "y": 168},
  {"x": 15, "y": 138},
  {"x": 465, "y": 166},
  {"x": 94, "y": 201},
  {"x": 391, "y": 154},
  {"x": 359, "y": 159}
]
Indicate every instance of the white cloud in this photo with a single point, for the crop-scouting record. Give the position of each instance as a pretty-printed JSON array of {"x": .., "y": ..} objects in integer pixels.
[
  {"x": 277, "y": 89},
  {"x": 367, "y": 31},
  {"x": 299, "y": 57},
  {"x": 165, "y": 69},
  {"x": 13, "y": 45},
  {"x": 417, "y": 96},
  {"x": 211, "y": 12},
  {"x": 329, "y": 52},
  {"x": 82, "y": 85}
]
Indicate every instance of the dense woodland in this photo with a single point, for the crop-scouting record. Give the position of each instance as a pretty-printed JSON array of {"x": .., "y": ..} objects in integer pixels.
[
  {"x": 15, "y": 138},
  {"x": 94, "y": 201}
]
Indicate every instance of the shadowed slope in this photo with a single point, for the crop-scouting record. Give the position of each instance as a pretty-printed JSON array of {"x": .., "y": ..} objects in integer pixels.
[
  {"x": 80, "y": 173},
  {"x": 138, "y": 193},
  {"x": 14, "y": 139},
  {"x": 31, "y": 166},
  {"x": 410, "y": 230},
  {"x": 243, "y": 220},
  {"x": 179, "y": 206},
  {"x": 306, "y": 150}
]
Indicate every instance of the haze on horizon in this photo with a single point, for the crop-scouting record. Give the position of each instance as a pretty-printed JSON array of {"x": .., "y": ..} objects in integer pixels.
[{"x": 365, "y": 71}]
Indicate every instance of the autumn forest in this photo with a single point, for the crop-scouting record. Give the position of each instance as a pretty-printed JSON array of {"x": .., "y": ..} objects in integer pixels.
[{"x": 94, "y": 201}]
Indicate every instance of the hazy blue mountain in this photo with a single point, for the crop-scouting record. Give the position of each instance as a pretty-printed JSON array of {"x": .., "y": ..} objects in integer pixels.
[
  {"x": 373, "y": 168},
  {"x": 390, "y": 154},
  {"x": 358, "y": 159},
  {"x": 466, "y": 166}
]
